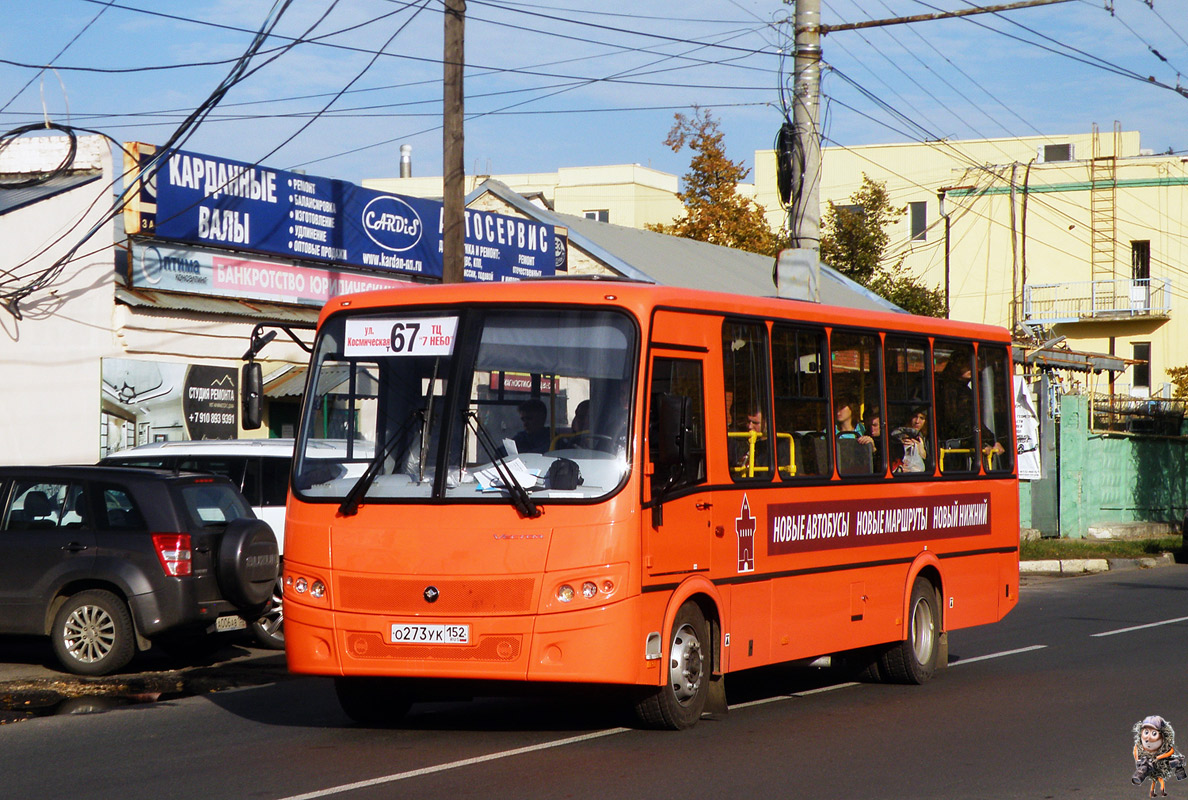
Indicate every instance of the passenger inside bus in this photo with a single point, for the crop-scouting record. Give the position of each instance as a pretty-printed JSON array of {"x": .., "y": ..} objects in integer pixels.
[
  {"x": 912, "y": 438},
  {"x": 755, "y": 426},
  {"x": 535, "y": 436},
  {"x": 578, "y": 429}
]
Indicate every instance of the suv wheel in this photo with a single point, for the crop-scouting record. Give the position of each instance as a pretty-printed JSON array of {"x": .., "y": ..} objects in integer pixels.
[
  {"x": 269, "y": 629},
  {"x": 93, "y": 634}
]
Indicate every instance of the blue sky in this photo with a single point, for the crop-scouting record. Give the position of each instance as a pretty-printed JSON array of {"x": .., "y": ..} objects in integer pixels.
[{"x": 552, "y": 83}]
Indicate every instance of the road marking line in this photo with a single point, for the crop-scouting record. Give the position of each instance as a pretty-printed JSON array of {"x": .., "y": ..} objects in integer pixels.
[
  {"x": 805, "y": 693},
  {"x": 1141, "y": 627},
  {"x": 466, "y": 762},
  {"x": 961, "y": 661}
]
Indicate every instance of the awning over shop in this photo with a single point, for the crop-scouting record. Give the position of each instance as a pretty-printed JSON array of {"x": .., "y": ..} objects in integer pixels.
[
  {"x": 1077, "y": 361},
  {"x": 257, "y": 310},
  {"x": 336, "y": 380}
]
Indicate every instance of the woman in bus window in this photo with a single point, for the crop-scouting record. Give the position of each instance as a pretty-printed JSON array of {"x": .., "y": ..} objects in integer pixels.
[
  {"x": 913, "y": 437},
  {"x": 845, "y": 426}
]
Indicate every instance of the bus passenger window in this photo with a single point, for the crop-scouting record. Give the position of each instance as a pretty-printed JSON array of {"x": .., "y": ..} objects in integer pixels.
[
  {"x": 857, "y": 398},
  {"x": 681, "y": 378},
  {"x": 801, "y": 418},
  {"x": 909, "y": 407},
  {"x": 744, "y": 359},
  {"x": 995, "y": 397},
  {"x": 956, "y": 428}
]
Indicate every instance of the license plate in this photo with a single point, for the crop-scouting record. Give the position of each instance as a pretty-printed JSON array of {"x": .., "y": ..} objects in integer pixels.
[
  {"x": 231, "y": 622},
  {"x": 430, "y": 634}
]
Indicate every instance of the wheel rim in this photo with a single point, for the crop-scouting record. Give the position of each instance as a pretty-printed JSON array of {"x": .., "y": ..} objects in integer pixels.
[
  {"x": 273, "y": 620},
  {"x": 923, "y": 631},
  {"x": 89, "y": 634},
  {"x": 685, "y": 664}
]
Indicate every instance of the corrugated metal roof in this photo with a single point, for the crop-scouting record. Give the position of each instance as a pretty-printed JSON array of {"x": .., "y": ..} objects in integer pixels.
[
  {"x": 254, "y": 310},
  {"x": 12, "y": 199},
  {"x": 675, "y": 261}
]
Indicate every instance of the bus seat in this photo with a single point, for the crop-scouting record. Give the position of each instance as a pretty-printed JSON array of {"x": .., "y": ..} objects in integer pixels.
[{"x": 854, "y": 457}]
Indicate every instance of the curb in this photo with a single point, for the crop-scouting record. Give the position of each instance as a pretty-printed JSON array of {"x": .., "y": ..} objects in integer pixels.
[{"x": 1085, "y": 566}]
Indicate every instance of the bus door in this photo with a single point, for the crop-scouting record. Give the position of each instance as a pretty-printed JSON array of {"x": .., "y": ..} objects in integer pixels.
[{"x": 677, "y": 532}]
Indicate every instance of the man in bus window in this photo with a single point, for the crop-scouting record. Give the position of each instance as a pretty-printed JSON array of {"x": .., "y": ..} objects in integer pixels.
[
  {"x": 535, "y": 436},
  {"x": 755, "y": 425}
]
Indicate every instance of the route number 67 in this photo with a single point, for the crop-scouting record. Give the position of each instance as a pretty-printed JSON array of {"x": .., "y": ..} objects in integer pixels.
[{"x": 404, "y": 336}]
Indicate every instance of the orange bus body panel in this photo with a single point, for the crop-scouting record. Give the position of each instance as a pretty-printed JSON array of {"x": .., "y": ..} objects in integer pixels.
[{"x": 504, "y": 569}]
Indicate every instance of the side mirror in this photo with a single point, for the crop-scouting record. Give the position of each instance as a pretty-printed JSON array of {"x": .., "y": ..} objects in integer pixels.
[{"x": 251, "y": 386}]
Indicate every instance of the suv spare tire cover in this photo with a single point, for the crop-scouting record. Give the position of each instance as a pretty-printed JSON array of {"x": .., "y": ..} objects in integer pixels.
[{"x": 248, "y": 563}]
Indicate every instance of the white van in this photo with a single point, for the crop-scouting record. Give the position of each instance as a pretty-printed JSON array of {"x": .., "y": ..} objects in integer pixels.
[{"x": 259, "y": 467}]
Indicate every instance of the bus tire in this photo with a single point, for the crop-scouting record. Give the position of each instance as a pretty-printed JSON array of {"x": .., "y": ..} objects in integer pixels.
[
  {"x": 914, "y": 659},
  {"x": 678, "y": 704},
  {"x": 373, "y": 701}
]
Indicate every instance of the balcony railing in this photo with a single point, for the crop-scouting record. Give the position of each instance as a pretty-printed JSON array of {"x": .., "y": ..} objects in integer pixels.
[{"x": 1050, "y": 303}]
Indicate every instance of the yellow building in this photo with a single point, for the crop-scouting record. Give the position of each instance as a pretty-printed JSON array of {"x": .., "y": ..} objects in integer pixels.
[
  {"x": 623, "y": 194},
  {"x": 1079, "y": 236}
]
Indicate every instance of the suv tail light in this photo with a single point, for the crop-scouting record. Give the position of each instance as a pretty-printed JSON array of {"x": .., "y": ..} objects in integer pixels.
[{"x": 173, "y": 549}]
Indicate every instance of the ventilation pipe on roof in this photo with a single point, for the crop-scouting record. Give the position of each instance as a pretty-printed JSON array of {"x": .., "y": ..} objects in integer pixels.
[{"x": 406, "y": 161}]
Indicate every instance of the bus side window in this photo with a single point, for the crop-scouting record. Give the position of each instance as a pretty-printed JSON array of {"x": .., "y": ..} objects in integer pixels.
[
  {"x": 801, "y": 419},
  {"x": 856, "y": 361},
  {"x": 744, "y": 364},
  {"x": 909, "y": 422},
  {"x": 956, "y": 426},
  {"x": 995, "y": 397},
  {"x": 682, "y": 378}
]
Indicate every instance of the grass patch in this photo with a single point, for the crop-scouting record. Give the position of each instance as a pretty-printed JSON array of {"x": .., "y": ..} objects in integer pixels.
[{"x": 1038, "y": 549}]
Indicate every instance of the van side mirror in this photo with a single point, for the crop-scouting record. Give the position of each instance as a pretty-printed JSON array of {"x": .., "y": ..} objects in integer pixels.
[{"x": 251, "y": 387}]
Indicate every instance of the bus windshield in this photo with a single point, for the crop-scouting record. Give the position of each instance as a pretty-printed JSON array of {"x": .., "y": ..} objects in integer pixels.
[{"x": 447, "y": 403}]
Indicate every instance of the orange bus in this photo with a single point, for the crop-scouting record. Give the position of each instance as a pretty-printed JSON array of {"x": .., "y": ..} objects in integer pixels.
[{"x": 619, "y": 483}]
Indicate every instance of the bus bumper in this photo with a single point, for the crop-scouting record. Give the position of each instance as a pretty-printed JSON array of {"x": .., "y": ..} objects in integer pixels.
[{"x": 597, "y": 645}]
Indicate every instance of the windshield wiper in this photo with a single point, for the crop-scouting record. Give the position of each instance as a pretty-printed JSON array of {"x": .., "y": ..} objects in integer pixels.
[
  {"x": 519, "y": 495},
  {"x": 350, "y": 503}
]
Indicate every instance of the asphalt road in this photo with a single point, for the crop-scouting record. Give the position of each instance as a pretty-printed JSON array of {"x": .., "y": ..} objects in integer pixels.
[{"x": 1038, "y": 706}]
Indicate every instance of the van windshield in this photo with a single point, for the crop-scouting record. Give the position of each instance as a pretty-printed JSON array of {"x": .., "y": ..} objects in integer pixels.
[{"x": 454, "y": 403}]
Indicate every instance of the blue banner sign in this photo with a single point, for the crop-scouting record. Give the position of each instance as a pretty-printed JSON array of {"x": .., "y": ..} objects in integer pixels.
[{"x": 216, "y": 202}]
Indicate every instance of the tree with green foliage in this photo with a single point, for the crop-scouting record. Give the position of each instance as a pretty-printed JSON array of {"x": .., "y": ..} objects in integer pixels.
[
  {"x": 1179, "y": 381},
  {"x": 854, "y": 241},
  {"x": 714, "y": 210}
]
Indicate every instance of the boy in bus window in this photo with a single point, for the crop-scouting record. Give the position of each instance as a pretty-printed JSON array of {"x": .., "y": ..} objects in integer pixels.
[{"x": 756, "y": 426}]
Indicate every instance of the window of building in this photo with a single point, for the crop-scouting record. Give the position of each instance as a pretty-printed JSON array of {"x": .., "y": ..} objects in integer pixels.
[
  {"x": 1142, "y": 372},
  {"x": 1140, "y": 260},
  {"x": 801, "y": 422},
  {"x": 598, "y": 214},
  {"x": 1057, "y": 152},
  {"x": 745, "y": 360},
  {"x": 919, "y": 219}
]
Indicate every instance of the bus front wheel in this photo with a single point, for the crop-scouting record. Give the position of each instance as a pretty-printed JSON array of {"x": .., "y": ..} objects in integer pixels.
[
  {"x": 914, "y": 659},
  {"x": 679, "y": 702},
  {"x": 373, "y": 701}
]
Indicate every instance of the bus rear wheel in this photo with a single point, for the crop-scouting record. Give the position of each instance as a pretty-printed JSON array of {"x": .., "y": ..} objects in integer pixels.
[
  {"x": 373, "y": 701},
  {"x": 914, "y": 659},
  {"x": 679, "y": 702}
]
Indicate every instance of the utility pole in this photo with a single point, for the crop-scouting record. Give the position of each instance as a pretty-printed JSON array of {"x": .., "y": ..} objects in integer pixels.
[
  {"x": 806, "y": 174},
  {"x": 453, "y": 166}
]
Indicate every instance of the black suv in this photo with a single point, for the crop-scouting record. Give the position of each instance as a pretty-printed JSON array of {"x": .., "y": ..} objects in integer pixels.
[{"x": 104, "y": 559}]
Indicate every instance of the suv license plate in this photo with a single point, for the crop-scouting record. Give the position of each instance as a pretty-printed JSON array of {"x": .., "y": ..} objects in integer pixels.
[
  {"x": 430, "y": 634},
  {"x": 231, "y": 622}
]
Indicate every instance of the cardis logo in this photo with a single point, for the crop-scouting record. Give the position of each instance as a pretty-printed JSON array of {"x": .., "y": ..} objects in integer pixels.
[{"x": 392, "y": 223}]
